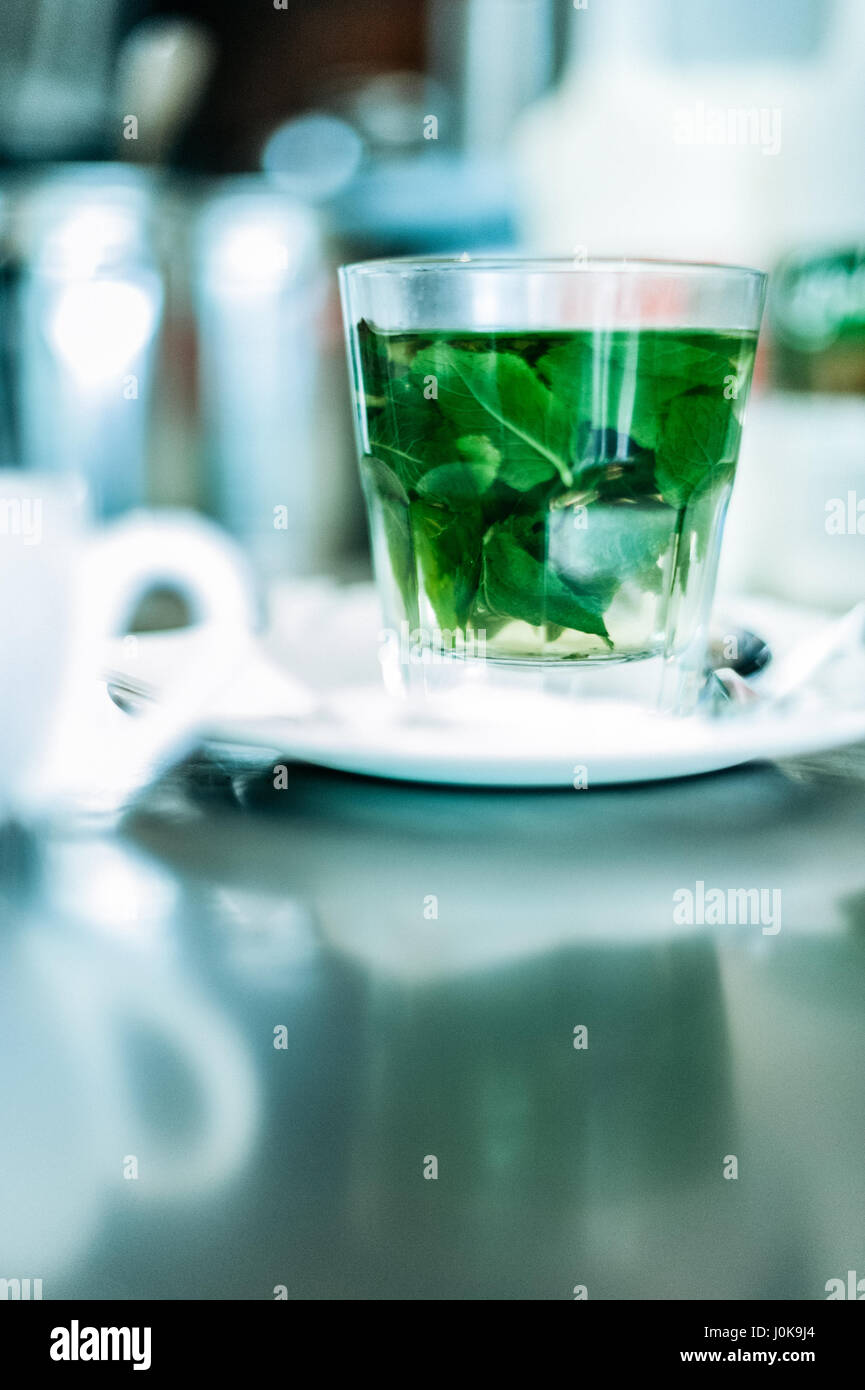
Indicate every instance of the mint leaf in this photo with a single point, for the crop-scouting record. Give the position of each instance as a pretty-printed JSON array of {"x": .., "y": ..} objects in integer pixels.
[
  {"x": 477, "y": 448},
  {"x": 669, "y": 360},
  {"x": 408, "y": 432},
  {"x": 482, "y": 620},
  {"x": 604, "y": 393},
  {"x": 448, "y": 549},
  {"x": 497, "y": 395},
  {"x": 619, "y": 542},
  {"x": 383, "y": 480},
  {"x": 373, "y": 363},
  {"x": 455, "y": 483},
  {"x": 389, "y": 517},
  {"x": 622, "y": 385},
  {"x": 697, "y": 448},
  {"x": 516, "y": 583}
]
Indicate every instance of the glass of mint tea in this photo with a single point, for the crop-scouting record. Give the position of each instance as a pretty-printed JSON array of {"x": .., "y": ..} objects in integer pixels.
[{"x": 547, "y": 450}]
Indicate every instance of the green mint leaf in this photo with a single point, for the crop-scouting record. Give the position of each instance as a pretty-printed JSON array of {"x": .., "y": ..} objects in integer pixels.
[
  {"x": 456, "y": 483},
  {"x": 622, "y": 385},
  {"x": 373, "y": 364},
  {"x": 388, "y": 506},
  {"x": 448, "y": 550},
  {"x": 477, "y": 448},
  {"x": 607, "y": 399},
  {"x": 497, "y": 395},
  {"x": 484, "y": 621},
  {"x": 516, "y": 583},
  {"x": 697, "y": 447},
  {"x": 383, "y": 480},
  {"x": 408, "y": 432},
  {"x": 669, "y": 359},
  {"x": 618, "y": 542}
]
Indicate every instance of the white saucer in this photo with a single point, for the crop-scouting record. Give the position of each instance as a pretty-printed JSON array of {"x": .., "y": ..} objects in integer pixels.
[{"x": 315, "y": 695}]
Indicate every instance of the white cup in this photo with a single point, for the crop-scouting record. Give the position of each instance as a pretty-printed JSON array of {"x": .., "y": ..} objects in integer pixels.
[
  {"x": 75, "y": 1091},
  {"x": 65, "y": 592}
]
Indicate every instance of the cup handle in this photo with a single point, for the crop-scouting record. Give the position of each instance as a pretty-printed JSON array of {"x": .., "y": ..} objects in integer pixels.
[
  {"x": 100, "y": 754},
  {"x": 226, "y": 1084},
  {"x": 175, "y": 549},
  {"x": 98, "y": 997}
]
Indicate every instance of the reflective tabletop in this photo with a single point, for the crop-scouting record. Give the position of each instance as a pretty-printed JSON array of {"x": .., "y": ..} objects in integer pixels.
[{"x": 345, "y": 1039}]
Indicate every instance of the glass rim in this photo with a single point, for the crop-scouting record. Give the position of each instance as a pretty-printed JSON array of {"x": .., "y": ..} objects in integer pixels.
[{"x": 611, "y": 265}]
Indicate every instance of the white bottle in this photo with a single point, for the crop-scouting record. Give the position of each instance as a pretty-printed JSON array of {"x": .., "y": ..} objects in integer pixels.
[{"x": 638, "y": 154}]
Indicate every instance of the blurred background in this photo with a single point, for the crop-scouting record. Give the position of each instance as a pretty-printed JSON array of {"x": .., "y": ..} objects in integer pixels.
[
  {"x": 177, "y": 187},
  {"x": 179, "y": 183}
]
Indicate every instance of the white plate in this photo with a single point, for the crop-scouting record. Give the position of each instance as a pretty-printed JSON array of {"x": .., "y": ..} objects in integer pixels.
[{"x": 324, "y": 640}]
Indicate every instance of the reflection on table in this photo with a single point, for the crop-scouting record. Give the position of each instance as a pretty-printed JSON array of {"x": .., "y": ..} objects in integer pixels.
[{"x": 238, "y": 1027}]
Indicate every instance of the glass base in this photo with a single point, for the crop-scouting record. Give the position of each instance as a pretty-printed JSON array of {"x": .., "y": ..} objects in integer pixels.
[{"x": 659, "y": 683}]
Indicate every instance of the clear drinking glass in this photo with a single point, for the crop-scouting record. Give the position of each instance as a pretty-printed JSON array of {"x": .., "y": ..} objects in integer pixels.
[{"x": 547, "y": 450}]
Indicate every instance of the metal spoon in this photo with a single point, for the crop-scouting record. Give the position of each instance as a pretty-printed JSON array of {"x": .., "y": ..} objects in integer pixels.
[{"x": 805, "y": 659}]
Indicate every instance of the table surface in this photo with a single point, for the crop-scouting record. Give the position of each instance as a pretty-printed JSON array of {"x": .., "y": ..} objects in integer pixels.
[{"x": 319, "y": 1040}]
